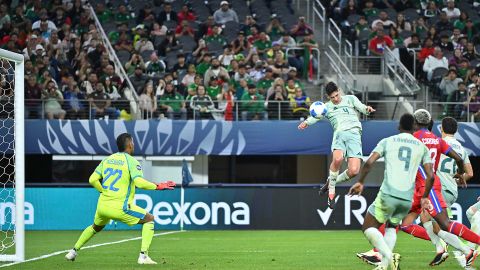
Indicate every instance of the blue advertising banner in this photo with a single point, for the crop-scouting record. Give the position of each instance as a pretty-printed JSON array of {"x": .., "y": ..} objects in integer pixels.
[
  {"x": 207, "y": 137},
  {"x": 210, "y": 208}
]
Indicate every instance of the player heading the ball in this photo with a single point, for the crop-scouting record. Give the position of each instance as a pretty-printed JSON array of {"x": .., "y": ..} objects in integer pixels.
[
  {"x": 116, "y": 178},
  {"x": 341, "y": 111}
]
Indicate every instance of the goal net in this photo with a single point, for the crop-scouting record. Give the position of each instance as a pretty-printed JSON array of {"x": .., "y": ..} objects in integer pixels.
[{"x": 12, "y": 171}]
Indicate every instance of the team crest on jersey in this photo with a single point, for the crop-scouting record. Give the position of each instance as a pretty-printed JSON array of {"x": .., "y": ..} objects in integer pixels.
[{"x": 139, "y": 167}]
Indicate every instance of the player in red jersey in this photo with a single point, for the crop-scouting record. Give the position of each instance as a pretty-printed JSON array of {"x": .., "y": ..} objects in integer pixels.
[
  {"x": 437, "y": 211},
  {"x": 446, "y": 228}
]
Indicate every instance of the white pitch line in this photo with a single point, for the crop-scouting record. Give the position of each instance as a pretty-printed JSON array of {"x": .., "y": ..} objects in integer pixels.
[{"x": 87, "y": 247}]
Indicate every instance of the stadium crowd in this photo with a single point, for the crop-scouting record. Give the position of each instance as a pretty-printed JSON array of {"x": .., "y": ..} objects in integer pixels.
[
  {"x": 184, "y": 59},
  {"x": 441, "y": 38}
]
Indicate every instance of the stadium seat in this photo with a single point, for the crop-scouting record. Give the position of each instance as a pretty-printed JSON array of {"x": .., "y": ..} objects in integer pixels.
[{"x": 411, "y": 14}]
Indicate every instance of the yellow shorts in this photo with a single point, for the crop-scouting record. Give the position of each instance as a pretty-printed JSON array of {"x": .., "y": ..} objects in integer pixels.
[{"x": 130, "y": 216}]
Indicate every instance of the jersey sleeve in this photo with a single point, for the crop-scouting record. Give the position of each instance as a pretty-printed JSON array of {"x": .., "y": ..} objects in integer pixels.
[
  {"x": 99, "y": 169},
  {"x": 444, "y": 147},
  {"x": 311, "y": 120},
  {"x": 134, "y": 168},
  {"x": 358, "y": 105},
  {"x": 380, "y": 148},
  {"x": 466, "y": 159},
  {"x": 426, "y": 156}
]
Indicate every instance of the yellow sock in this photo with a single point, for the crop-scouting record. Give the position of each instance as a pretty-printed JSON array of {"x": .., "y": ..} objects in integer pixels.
[
  {"x": 86, "y": 235},
  {"x": 147, "y": 235}
]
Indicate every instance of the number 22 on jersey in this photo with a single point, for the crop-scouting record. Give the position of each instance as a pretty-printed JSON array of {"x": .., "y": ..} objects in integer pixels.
[{"x": 110, "y": 174}]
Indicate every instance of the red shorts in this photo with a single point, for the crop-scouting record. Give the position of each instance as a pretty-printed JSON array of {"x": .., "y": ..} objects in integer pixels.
[{"x": 435, "y": 197}]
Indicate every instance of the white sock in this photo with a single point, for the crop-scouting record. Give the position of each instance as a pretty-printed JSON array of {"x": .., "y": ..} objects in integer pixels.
[
  {"x": 332, "y": 177},
  {"x": 453, "y": 241},
  {"x": 343, "y": 177},
  {"x": 390, "y": 237},
  {"x": 474, "y": 226},
  {"x": 433, "y": 237},
  {"x": 376, "y": 239}
]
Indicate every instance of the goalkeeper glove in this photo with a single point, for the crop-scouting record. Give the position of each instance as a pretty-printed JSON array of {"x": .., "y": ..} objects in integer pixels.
[{"x": 166, "y": 185}]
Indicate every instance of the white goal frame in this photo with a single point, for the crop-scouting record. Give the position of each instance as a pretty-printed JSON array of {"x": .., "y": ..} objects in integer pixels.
[{"x": 19, "y": 137}]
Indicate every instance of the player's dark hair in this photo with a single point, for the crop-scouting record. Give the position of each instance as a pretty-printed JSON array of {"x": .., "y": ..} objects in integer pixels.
[
  {"x": 330, "y": 88},
  {"x": 449, "y": 125},
  {"x": 430, "y": 125},
  {"x": 122, "y": 141},
  {"x": 406, "y": 122}
]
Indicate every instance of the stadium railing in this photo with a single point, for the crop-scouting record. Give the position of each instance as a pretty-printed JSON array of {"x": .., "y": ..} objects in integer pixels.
[
  {"x": 130, "y": 92},
  {"x": 346, "y": 79},
  {"x": 335, "y": 34},
  {"x": 321, "y": 14},
  {"x": 403, "y": 80}
]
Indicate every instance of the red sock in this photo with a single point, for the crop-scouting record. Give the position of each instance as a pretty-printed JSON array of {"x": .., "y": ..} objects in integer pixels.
[
  {"x": 416, "y": 230},
  {"x": 464, "y": 232}
]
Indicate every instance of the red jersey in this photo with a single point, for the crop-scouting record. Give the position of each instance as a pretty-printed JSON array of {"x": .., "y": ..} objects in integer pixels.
[{"x": 436, "y": 146}]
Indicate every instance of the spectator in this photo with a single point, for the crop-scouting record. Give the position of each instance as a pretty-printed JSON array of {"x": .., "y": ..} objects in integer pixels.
[
  {"x": 75, "y": 101},
  {"x": 148, "y": 101},
  {"x": 53, "y": 99},
  {"x": 135, "y": 61},
  {"x": 395, "y": 36},
  {"x": 445, "y": 44},
  {"x": 252, "y": 105},
  {"x": 33, "y": 94},
  {"x": 383, "y": 20},
  {"x": 167, "y": 14},
  {"x": 158, "y": 30},
  {"x": 472, "y": 105},
  {"x": 262, "y": 44},
  {"x": 169, "y": 44},
  {"x": 104, "y": 14},
  {"x": 380, "y": 42},
  {"x": 122, "y": 14},
  {"x": 189, "y": 78},
  {"x": 459, "y": 96},
  {"x": 227, "y": 56},
  {"x": 155, "y": 67},
  {"x": 44, "y": 24},
  {"x": 179, "y": 70},
  {"x": 449, "y": 84},
  {"x": 361, "y": 25},
  {"x": 124, "y": 43},
  {"x": 111, "y": 88},
  {"x": 402, "y": 5},
  {"x": 224, "y": 14},
  {"x": 216, "y": 70},
  {"x": 300, "y": 104},
  {"x": 443, "y": 24},
  {"x": 206, "y": 28},
  {"x": 172, "y": 103},
  {"x": 426, "y": 51},
  {"x": 434, "y": 61},
  {"x": 461, "y": 22},
  {"x": 350, "y": 9},
  {"x": 216, "y": 36},
  {"x": 456, "y": 58},
  {"x": 455, "y": 38},
  {"x": 278, "y": 105},
  {"x": 192, "y": 88},
  {"x": 213, "y": 89},
  {"x": 138, "y": 79},
  {"x": 201, "y": 104},
  {"x": 143, "y": 44},
  {"x": 413, "y": 42},
  {"x": 369, "y": 10},
  {"x": 100, "y": 104},
  {"x": 146, "y": 16},
  {"x": 185, "y": 14},
  {"x": 431, "y": 10},
  {"x": 463, "y": 68},
  {"x": 419, "y": 26},
  {"x": 402, "y": 24},
  {"x": 301, "y": 28},
  {"x": 470, "y": 53},
  {"x": 287, "y": 41},
  {"x": 183, "y": 29},
  {"x": 274, "y": 28},
  {"x": 451, "y": 11},
  {"x": 470, "y": 31},
  {"x": 249, "y": 24}
]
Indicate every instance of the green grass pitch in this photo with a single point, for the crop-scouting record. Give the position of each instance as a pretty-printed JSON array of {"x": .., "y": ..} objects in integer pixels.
[{"x": 223, "y": 250}]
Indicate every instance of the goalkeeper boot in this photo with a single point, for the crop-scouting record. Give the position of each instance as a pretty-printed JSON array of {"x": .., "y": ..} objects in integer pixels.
[
  {"x": 371, "y": 257},
  {"x": 71, "y": 255},
  {"x": 144, "y": 259},
  {"x": 439, "y": 258}
]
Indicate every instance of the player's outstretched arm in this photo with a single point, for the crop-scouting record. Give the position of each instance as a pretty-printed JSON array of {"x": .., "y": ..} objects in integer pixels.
[
  {"x": 144, "y": 184},
  {"x": 95, "y": 180},
  {"x": 308, "y": 122},
  {"x": 359, "y": 106},
  {"x": 357, "y": 188}
]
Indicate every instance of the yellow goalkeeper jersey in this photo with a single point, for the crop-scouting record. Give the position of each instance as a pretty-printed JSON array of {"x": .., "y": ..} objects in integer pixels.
[{"x": 118, "y": 172}]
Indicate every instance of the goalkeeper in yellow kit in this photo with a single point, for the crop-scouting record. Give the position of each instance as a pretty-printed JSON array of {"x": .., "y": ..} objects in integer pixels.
[{"x": 116, "y": 178}]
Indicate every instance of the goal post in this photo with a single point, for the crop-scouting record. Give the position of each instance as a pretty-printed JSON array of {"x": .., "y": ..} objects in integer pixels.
[{"x": 12, "y": 76}]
